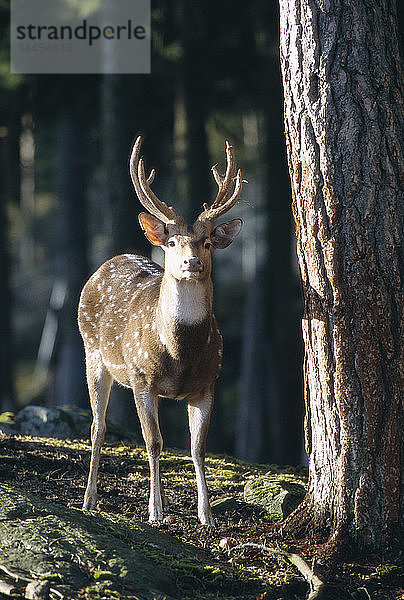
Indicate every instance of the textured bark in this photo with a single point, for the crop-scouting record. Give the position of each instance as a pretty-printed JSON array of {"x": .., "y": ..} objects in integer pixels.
[{"x": 344, "y": 123}]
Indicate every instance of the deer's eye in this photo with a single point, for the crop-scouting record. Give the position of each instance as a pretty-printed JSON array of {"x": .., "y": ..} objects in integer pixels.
[
  {"x": 171, "y": 243},
  {"x": 208, "y": 245}
]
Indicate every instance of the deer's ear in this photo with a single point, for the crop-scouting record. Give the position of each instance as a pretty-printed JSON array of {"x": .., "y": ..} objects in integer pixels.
[
  {"x": 223, "y": 235},
  {"x": 153, "y": 228}
]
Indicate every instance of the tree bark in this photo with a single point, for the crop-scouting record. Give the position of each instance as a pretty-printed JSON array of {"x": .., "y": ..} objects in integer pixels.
[{"x": 344, "y": 123}]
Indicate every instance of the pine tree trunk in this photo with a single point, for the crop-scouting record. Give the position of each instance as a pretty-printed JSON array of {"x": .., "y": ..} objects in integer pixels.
[
  {"x": 344, "y": 123},
  {"x": 117, "y": 137}
]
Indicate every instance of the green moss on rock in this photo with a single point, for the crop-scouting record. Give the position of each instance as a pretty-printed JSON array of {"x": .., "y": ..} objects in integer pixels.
[{"x": 278, "y": 494}]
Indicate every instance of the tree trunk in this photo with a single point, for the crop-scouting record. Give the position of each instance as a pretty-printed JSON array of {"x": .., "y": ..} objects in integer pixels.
[
  {"x": 283, "y": 294},
  {"x": 122, "y": 114},
  {"x": 69, "y": 385},
  {"x": 344, "y": 122},
  {"x": 257, "y": 418},
  {"x": 195, "y": 87},
  {"x": 117, "y": 136},
  {"x": 7, "y": 397}
]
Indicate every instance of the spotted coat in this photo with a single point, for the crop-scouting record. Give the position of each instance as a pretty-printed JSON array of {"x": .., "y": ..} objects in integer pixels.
[{"x": 119, "y": 322}]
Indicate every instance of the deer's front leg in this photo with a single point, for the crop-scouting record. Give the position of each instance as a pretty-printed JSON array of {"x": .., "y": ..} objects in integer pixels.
[
  {"x": 147, "y": 408},
  {"x": 199, "y": 410}
]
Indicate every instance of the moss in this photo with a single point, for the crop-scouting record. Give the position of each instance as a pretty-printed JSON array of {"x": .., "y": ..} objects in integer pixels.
[
  {"x": 278, "y": 494},
  {"x": 101, "y": 574},
  {"x": 7, "y": 417},
  {"x": 387, "y": 573},
  {"x": 50, "y": 577},
  {"x": 262, "y": 488},
  {"x": 221, "y": 471}
]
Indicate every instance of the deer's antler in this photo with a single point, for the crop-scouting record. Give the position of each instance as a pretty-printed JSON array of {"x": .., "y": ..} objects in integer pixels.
[
  {"x": 142, "y": 186},
  {"x": 226, "y": 195}
]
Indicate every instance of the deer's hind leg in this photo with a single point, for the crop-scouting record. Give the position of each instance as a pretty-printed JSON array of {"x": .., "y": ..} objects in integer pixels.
[{"x": 99, "y": 383}]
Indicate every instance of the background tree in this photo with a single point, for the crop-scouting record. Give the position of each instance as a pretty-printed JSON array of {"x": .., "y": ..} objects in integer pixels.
[
  {"x": 7, "y": 399},
  {"x": 344, "y": 122},
  {"x": 71, "y": 256},
  {"x": 271, "y": 404},
  {"x": 12, "y": 105}
]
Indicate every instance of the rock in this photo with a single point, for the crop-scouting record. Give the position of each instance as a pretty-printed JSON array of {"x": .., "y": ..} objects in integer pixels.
[
  {"x": 40, "y": 421},
  {"x": 66, "y": 422},
  {"x": 223, "y": 505},
  {"x": 233, "y": 506},
  {"x": 278, "y": 494}
]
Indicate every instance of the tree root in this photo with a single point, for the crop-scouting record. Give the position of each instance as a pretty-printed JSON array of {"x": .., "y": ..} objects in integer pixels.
[
  {"x": 329, "y": 542},
  {"x": 316, "y": 585},
  {"x": 300, "y": 523}
]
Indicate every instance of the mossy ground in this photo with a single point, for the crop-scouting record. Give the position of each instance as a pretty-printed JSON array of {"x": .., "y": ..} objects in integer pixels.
[{"x": 196, "y": 562}]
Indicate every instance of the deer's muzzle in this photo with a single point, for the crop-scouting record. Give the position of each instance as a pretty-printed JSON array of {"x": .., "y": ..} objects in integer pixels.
[{"x": 192, "y": 265}]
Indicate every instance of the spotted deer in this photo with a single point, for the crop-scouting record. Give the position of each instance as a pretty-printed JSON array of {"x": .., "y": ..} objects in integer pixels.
[{"x": 153, "y": 329}]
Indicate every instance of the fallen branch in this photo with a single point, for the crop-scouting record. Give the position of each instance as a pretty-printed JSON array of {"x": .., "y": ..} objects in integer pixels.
[{"x": 315, "y": 583}]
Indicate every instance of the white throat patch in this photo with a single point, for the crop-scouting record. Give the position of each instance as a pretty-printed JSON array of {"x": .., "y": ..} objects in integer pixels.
[{"x": 187, "y": 302}]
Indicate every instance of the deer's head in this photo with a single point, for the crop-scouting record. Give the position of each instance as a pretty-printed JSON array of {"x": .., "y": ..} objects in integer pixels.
[{"x": 188, "y": 249}]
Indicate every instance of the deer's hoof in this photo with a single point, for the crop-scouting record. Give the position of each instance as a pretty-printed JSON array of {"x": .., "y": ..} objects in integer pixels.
[
  {"x": 207, "y": 520},
  {"x": 155, "y": 514},
  {"x": 90, "y": 503},
  {"x": 155, "y": 519}
]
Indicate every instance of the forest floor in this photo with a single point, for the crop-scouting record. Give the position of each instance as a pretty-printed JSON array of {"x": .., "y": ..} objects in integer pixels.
[{"x": 45, "y": 479}]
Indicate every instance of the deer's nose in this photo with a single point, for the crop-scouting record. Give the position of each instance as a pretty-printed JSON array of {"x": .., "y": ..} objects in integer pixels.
[{"x": 193, "y": 264}]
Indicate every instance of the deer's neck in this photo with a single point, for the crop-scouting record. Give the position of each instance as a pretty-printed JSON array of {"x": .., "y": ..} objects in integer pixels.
[{"x": 183, "y": 304}]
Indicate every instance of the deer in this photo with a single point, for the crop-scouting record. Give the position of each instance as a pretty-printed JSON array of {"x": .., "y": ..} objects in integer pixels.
[{"x": 153, "y": 329}]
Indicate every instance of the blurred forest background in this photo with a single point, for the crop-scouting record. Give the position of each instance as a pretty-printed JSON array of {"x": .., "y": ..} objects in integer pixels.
[{"x": 67, "y": 204}]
